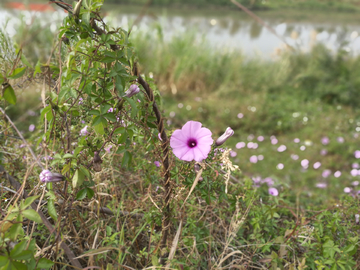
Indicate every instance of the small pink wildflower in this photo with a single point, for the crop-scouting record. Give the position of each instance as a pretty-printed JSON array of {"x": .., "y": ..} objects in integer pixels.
[
  {"x": 157, "y": 164},
  {"x": 325, "y": 140},
  {"x": 273, "y": 191},
  {"x": 31, "y": 127},
  {"x": 191, "y": 142}
]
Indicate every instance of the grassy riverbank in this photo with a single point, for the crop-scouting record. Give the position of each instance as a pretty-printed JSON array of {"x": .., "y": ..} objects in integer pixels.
[
  {"x": 306, "y": 96},
  {"x": 344, "y": 5}
]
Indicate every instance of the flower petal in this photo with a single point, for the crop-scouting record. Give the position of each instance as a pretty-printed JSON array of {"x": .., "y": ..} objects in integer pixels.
[
  {"x": 189, "y": 155},
  {"x": 190, "y": 128},
  {"x": 180, "y": 152},
  {"x": 202, "y": 132}
]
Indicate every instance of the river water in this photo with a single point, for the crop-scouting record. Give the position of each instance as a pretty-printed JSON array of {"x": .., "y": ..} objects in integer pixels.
[{"x": 227, "y": 30}]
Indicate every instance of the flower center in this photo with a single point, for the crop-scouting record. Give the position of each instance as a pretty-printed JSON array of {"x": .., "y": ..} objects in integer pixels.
[{"x": 192, "y": 143}]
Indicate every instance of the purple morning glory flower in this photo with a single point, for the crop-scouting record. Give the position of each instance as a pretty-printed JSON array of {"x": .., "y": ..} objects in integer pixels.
[
  {"x": 84, "y": 132},
  {"x": 47, "y": 176},
  {"x": 228, "y": 133},
  {"x": 240, "y": 145},
  {"x": 326, "y": 173},
  {"x": 31, "y": 127},
  {"x": 273, "y": 191},
  {"x": 260, "y": 138},
  {"x": 340, "y": 139},
  {"x": 347, "y": 190},
  {"x": 110, "y": 110},
  {"x": 157, "y": 164},
  {"x": 133, "y": 90},
  {"x": 253, "y": 159},
  {"x": 357, "y": 154},
  {"x": 281, "y": 148},
  {"x": 191, "y": 142},
  {"x": 317, "y": 165}
]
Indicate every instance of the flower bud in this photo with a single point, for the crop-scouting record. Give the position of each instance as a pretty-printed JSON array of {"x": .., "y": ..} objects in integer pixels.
[
  {"x": 228, "y": 133},
  {"x": 46, "y": 176},
  {"x": 133, "y": 90}
]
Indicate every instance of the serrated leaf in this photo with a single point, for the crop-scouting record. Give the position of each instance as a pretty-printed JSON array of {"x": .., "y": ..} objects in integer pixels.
[
  {"x": 78, "y": 178},
  {"x": 18, "y": 248},
  {"x": 90, "y": 193},
  {"x": 81, "y": 194},
  {"x": 18, "y": 266},
  {"x": 24, "y": 255},
  {"x": 111, "y": 117},
  {"x": 32, "y": 215},
  {"x": 17, "y": 73},
  {"x": 9, "y": 94},
  {"x": 94, "y": 112},
  {"x": 15, "y": 231},
  {"x": 45, "y": 263},
  {"x": 51, "y": 209},
  {"x": 99, "y": 128}
]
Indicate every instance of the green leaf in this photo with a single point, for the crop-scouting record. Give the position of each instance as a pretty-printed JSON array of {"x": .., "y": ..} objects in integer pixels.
[
  {"x": 134, "y": 108},
  {"x": 24, "y": 255},
  {"x": 126, "y": 159},
  {"x": 85, "y": 171},
  {"x": 67, "y": 156},
  {"x": 3, "y": 260},
  {"x": 111, "y": 117},
  {"x": 86, "y": 17},
  {"x": 37, "y": 68},
  {"x": 32, "y": 215},
  {"x": 119, "y": 130},
  {"x": 90, "y": 193},
  {"x": 119, "y": 85},
  {"x": 107, "y": 60},
  {"x": 18, "y": 72},
  {"x": 81, "y": 194},
  {"x": 18, "y": 266},
  {"x": 9, "y": 94},
  {"x": 78, "y": 178},
  {"x": 51, "y": 209},
  {"x": 28, "y": 202},
  {"x": 25, "y": 61},
  {"x": 1, "y": 79},
  {"x": 104, "y": 108},
  {"x": 15, "y": 230},
  {"x": 122, "y": 138},
  {"x": 94, "y": 112},
  {"x": 18, "y": 248},
  {"x": 45, "y": 263}
]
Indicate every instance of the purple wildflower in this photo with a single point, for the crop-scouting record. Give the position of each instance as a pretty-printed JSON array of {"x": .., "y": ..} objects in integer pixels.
[
  {"x": 317, "y": 165},
  {"x": 357, "y": 154},
  {"x": 157, "y": 164},
  {"x": 47, "y": 176},
  {"x": 107, "y": 149},
  {"x": 159, "y": 136},
  {"x": 347, "y": 190},
  {"x": 323, "y": 152},
  {"x": 355, "y": 183},
  {"x": 84, "y": 132},
  {"x": 260, "y": 138},
  {"x": 280, "y": 166},
  {"x": 133, "y": 90},
  {"x": 294, "y": 156},
  {"x": 110, "y": 110},
  {"x": 281, "y": 148},
  {"x": 274, "y": 141},
  {"x": 191, "y": 142},
  {"x": 337, "y": 174},
  {"x": 240, "y": 115},
  {"x": 355, "y": 165},
  {"x": 354, "y": 172},
  {"x": 326, "y": 173},
  {"x": 31, "y": 127},
  {"x": 357, "y": 216},
  {"x": 296, "y": 140},
  {"x": 228, "y": 133},
  {"x": 340, "y": 139},
  {"x": 260, "y": 157},
  {"x": 233, "y": 154},
  {"x": 240, "y": 145},
  {"x": 321, "y": 185},
  {"x": 253, "y": 159},
  {"x": 273, "y": 191},
  {"x": 325, "y": 140}
]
